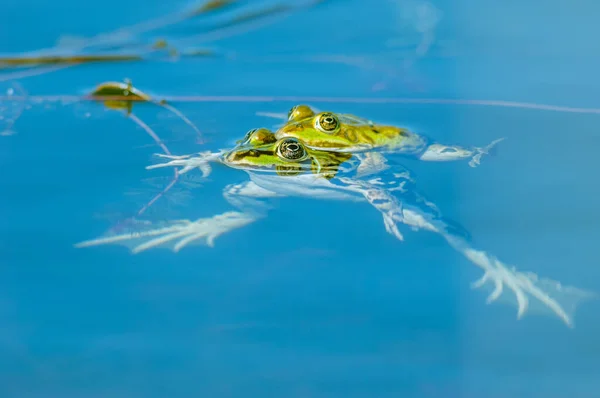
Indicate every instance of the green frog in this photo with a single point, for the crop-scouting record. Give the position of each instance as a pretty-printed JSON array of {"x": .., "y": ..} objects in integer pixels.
[
  {"x": 280, "y": 167},
  {"x": 349, "y": 133}
]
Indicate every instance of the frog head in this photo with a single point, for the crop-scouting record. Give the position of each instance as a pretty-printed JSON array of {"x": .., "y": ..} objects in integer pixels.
[
  {"x": 261, "y": 150},
  {"x": 342, "y": 132}
]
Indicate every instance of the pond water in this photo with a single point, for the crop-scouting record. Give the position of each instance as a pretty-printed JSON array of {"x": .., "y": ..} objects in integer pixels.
[{"x": 317, "y": 299}]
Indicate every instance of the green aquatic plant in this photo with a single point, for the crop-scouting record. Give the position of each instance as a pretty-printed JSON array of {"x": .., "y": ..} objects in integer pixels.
[
  {"x": 211, "y": 5},
  {"x": 161, "y": 45},
  {"x": 122, "y": 97},
  {"x": 58, "y": 59},
  {"x": 126, "y": 40}
]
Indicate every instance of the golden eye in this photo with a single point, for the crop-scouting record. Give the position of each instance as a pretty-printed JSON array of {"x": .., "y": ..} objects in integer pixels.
[
  {"x": 249, "y": 134},
  {"x": 291, "y": 149},
  {"x": 300, "y": 112},
  {"x": 327, "y": 123},
  {"x": 259, "y": 136},
  {"x": 262, "y": 136}
]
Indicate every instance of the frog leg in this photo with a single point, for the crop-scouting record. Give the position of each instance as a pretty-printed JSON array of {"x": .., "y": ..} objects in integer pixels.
[
  {"x": 528, "y": 290},
  {"x": 389, "y": 188},
  {"x": 371, "y": 163},
  {"x": 248, "y": 197},
  {"x": 380, "y": 198},
  {"x": 176, "y": 234},
  {"x": 444, "y": 153},
  {"x": 199, "y": 160}
]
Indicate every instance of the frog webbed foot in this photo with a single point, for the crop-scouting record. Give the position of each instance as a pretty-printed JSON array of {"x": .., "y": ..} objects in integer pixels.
[
  {"x": 200, "y": 160},
  {"x": 480, "y": 152},
  {"x": 390, "y": 221},
  {"x": 447, "y": 153},
  {"x": 546, "y": 294},
  {"x": 175, "y": 234}
]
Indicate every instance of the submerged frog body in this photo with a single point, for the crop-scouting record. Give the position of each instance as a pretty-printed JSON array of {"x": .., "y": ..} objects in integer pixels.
[
  {"x": 285, "y": 166},
  {"x": 349, "y": 133}
]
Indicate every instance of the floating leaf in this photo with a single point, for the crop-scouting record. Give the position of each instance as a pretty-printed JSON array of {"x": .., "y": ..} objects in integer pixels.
[{"x": 119, "y": 95}]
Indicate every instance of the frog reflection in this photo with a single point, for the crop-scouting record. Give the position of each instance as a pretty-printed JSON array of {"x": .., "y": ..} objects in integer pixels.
[{"x": 285, "y": 166}]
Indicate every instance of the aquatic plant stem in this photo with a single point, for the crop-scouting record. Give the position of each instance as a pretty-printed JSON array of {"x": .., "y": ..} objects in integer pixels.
[
  {"x": 299, "y": 99},
  {"x": 155, "y": 137}
]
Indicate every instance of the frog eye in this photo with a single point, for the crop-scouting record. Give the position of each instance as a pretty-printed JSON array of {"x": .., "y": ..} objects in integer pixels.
[
  {"x": 258, "y": 136},
  {"x": 300, "y": 112},
  {"x": 262, "y": 136},
  {"x": 327, "y": 123},
  {"x": 291, "y": 149}
]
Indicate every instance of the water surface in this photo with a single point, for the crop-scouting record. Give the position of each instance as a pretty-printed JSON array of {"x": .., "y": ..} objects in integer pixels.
[{"x": 284, "y": 312}]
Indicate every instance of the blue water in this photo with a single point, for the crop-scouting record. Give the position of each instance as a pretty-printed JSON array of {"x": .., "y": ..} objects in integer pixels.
[{"x": 289, "y": 306}]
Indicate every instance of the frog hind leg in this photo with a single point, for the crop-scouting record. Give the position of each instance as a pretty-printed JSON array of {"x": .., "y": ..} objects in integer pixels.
[
  {"x": 382, "y": 199},
  {"x": 199, "y": 160},
  {"x": 529, "y": 292},
  {"x": 141, "y": 235}
]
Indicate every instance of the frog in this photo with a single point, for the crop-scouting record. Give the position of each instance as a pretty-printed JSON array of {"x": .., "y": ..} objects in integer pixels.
[
  {"x": 279, "y": 167},
  {"x": 343, "y": 132}
]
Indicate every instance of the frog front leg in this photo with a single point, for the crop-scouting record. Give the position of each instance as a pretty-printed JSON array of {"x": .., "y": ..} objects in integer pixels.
[
  {"x": 200, "y": 160},
  {"x": 444, "y": 153}
]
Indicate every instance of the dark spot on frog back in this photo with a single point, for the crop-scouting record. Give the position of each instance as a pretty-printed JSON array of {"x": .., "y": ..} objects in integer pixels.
[
  {"x": 359, "y": 135},
  {"x": 350, "y": 134},
  {"x": 391, "y": 131}
]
